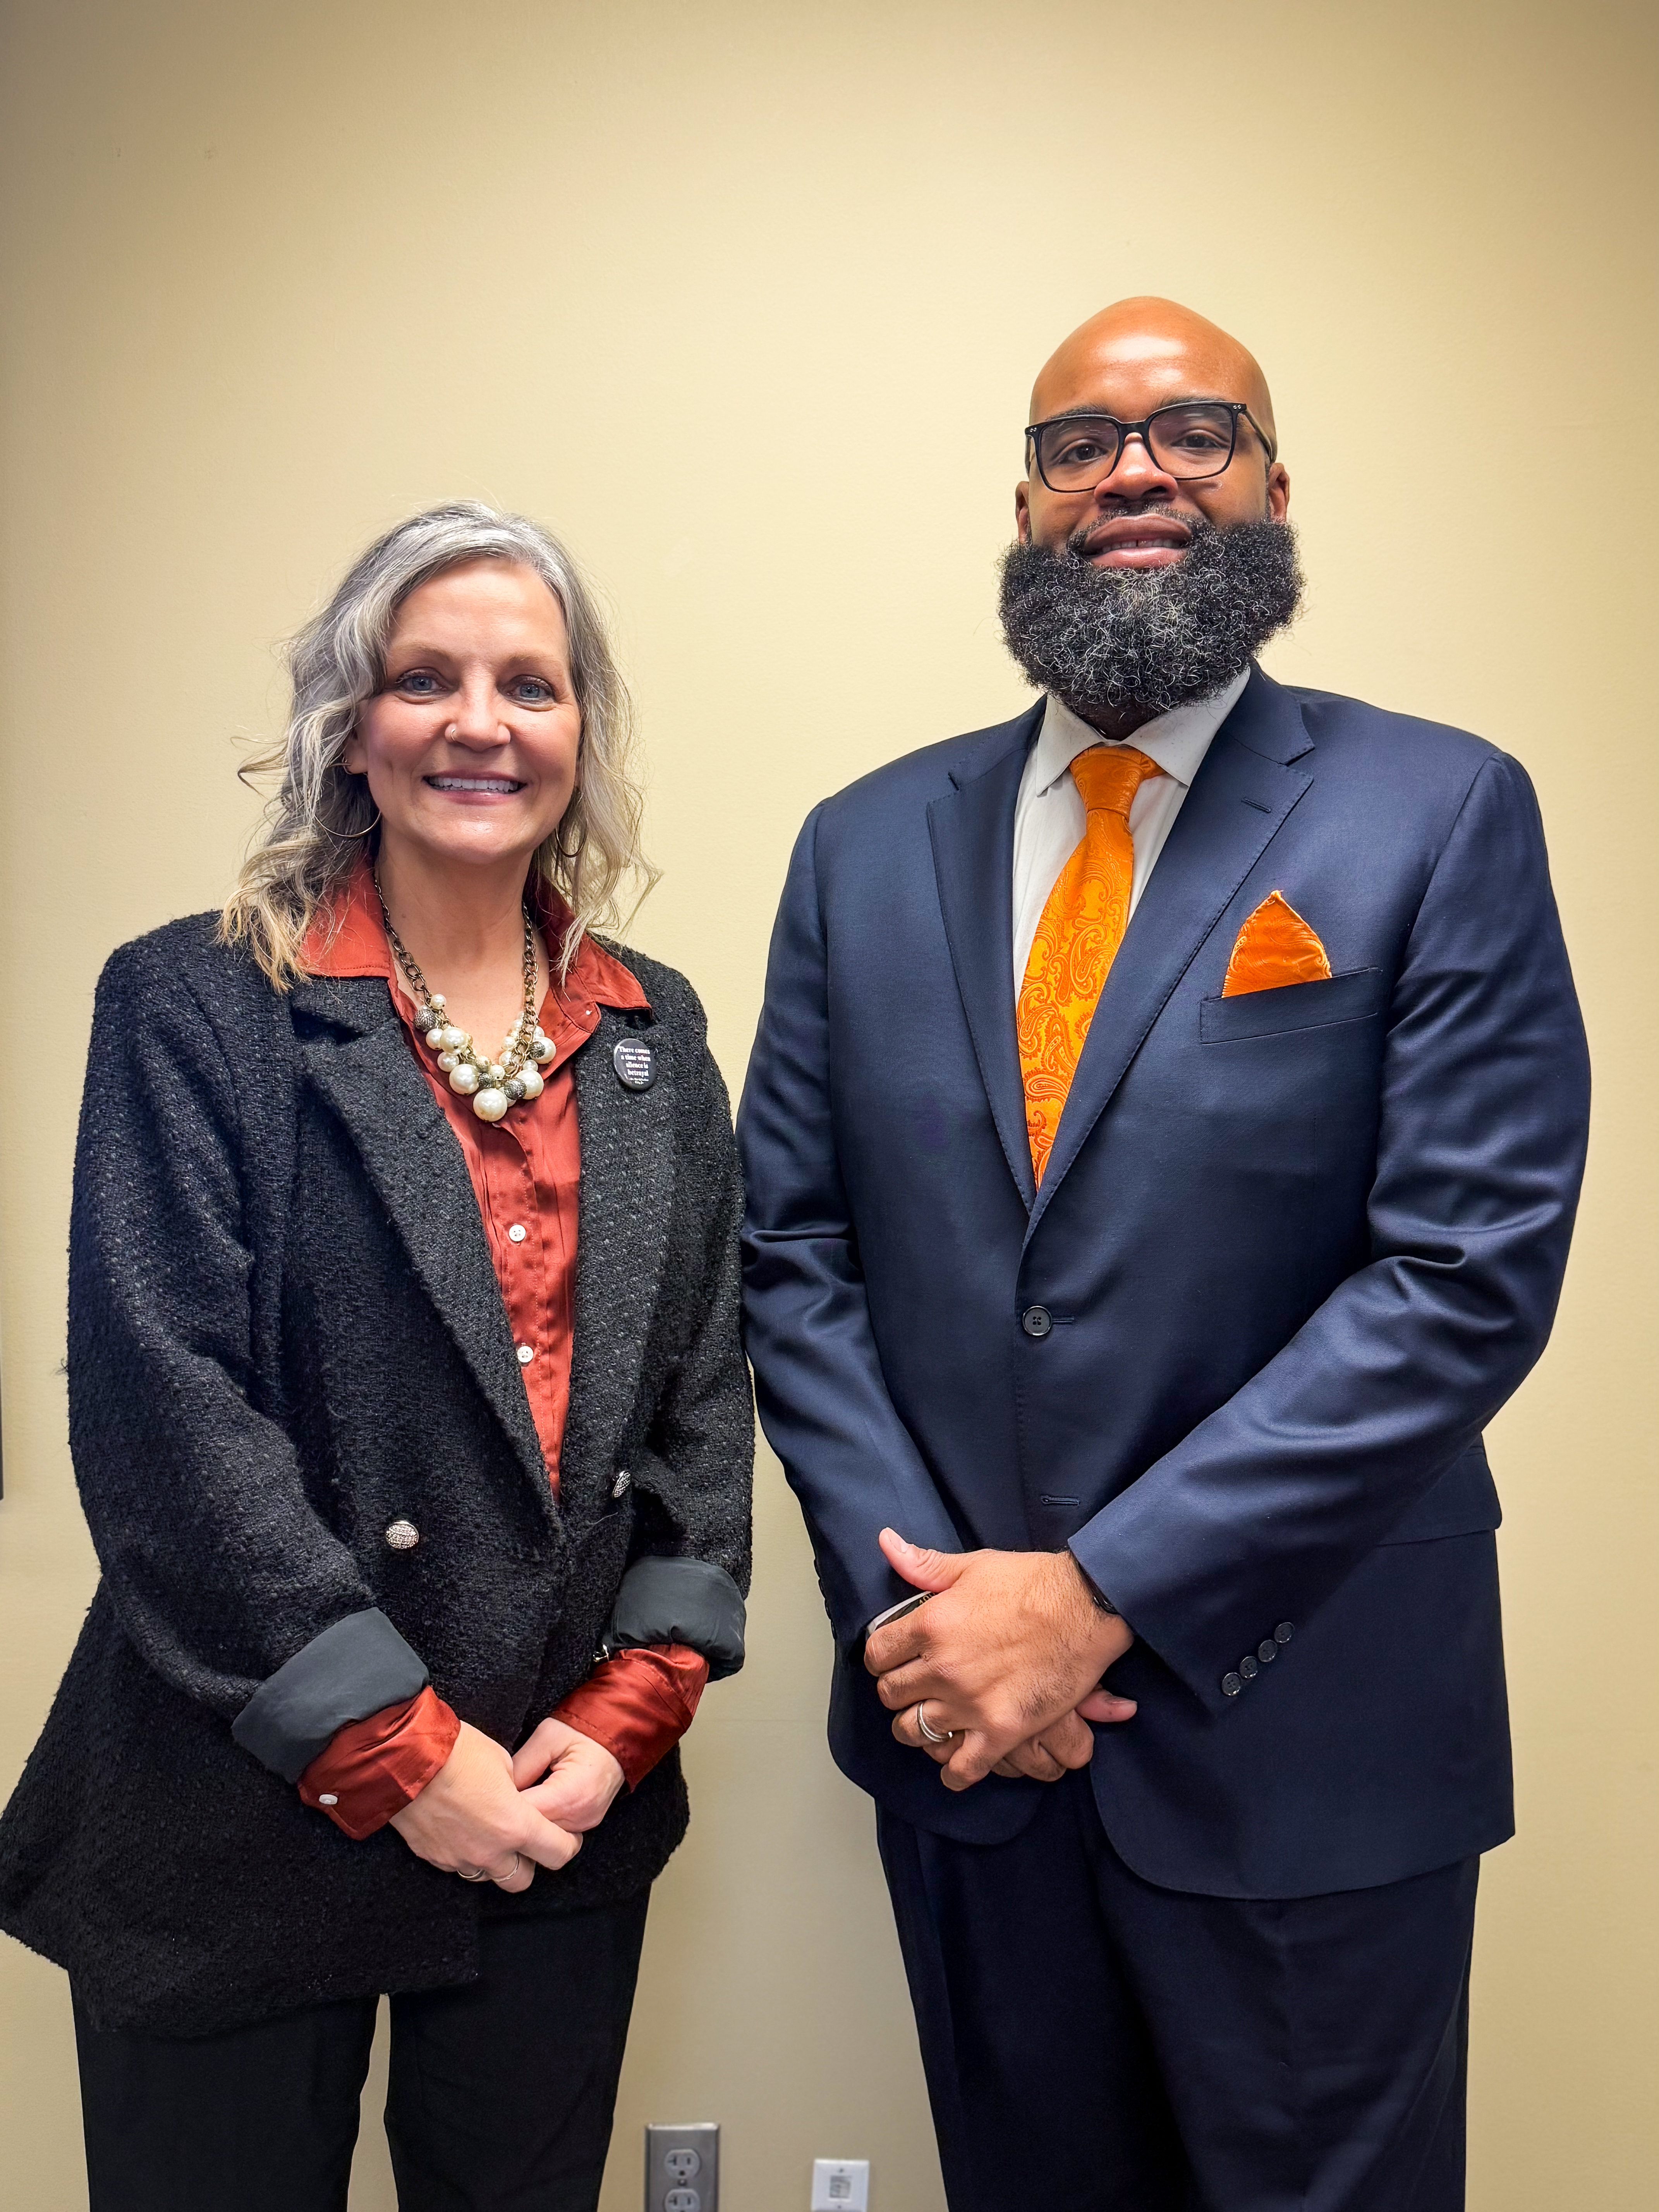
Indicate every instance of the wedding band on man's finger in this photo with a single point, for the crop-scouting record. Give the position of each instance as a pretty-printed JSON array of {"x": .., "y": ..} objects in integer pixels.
[{"x": 931, "y": 1736}]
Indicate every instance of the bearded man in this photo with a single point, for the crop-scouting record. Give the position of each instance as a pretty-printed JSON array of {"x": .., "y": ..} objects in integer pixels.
[{"x": 1162, "y": 1143}]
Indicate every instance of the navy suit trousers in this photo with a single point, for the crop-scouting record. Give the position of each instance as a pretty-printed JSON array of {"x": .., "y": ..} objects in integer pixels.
[{"x": 1096, "y": 2044}]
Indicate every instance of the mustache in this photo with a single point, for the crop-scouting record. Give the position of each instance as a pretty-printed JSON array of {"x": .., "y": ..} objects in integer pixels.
[{"x": 1079, "y": 544}]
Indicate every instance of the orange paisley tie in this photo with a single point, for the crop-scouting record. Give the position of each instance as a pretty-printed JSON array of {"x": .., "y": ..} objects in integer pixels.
[{"x": 1077, "y": 939}]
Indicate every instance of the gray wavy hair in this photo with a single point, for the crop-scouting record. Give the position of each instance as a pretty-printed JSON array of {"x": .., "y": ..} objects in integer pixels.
[{"x": 316, "y": 825}]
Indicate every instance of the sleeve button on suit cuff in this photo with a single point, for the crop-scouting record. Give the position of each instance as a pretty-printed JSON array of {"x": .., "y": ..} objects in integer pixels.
[
  {"x": 1231, "y": 1685},
  {"x": 1283, "y": 1633},
  {"x": 1267, "y": 1650}
]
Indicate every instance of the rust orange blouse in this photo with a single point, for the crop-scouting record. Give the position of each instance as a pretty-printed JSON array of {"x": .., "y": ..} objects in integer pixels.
[{"x": 524, "y": 1172}]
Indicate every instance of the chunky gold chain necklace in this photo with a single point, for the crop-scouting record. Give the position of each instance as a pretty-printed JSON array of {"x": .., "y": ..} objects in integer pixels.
[{"x": 493, "y": 1085}]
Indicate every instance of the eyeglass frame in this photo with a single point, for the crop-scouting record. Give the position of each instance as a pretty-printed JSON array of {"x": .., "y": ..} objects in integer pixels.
[{"x": 1127, "y": 430}]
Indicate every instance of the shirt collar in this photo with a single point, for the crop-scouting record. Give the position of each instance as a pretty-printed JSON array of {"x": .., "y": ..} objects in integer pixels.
[
  {"x": 347, "y": 938},
  {"x": 1178, "y": 741}
]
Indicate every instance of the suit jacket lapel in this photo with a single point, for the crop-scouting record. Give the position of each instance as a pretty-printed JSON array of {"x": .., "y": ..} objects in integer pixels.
[
  {"x": 626, "y": 1206},
  {"x": 972, "y": 829},
  {"x": 365, "y": 1071},
  {"x": 1240, "y": 796}
]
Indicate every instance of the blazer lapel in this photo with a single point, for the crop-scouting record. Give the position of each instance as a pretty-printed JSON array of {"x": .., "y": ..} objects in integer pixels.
[
  {"x": 972, "y": 831},
  {"x": 1241, "y": 796},
  {"x": 367, "y": 1073},
  {"x": 625, "y": 1208}
]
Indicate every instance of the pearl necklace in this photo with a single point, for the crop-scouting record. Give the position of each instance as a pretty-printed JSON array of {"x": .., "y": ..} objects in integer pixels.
[{"x": 493, "y": 1085}]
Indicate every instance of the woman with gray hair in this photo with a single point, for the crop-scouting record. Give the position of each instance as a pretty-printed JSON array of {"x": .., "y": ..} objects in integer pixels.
[{"x": 409, "y": 1417}]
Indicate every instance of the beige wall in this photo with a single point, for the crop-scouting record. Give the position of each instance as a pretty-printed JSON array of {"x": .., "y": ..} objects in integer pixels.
[{"x": 746, "y": 299}]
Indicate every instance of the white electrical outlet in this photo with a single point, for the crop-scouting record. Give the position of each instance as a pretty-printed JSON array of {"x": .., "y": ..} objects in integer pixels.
[
  {"x": 683, "y": 2168},
  {"x": 840, "y": 2184}
]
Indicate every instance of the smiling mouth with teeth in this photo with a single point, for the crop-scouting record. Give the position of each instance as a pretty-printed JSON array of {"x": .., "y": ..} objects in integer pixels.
[{"x": 503, "y": 784}]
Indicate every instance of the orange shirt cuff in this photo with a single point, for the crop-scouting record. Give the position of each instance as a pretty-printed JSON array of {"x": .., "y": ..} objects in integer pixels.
[
  {"x": 373, "y": 1768},
  {"x": 638, "y": 1705}
]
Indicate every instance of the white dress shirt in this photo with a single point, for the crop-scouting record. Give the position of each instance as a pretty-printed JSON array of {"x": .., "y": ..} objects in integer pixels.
[{"x": 1048, "y": 814}]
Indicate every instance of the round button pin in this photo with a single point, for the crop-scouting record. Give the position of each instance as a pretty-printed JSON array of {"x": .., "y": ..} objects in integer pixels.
[{"x": 635, "y": 1062}]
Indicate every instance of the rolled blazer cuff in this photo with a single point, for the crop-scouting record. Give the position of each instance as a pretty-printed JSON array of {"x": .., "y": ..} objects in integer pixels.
[
  {"x": 690, "y": 1601},
  {"x": 357, "y": 1667}
]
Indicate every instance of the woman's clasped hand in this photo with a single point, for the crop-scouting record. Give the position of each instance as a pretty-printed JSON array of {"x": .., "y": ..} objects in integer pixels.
[{"x": 475, "y": 1817}]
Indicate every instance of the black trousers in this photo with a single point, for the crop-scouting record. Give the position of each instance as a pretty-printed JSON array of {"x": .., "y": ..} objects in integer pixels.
[
  {"x": 499, "y": 2100},
  {"x": 1097, "y": 2044}
]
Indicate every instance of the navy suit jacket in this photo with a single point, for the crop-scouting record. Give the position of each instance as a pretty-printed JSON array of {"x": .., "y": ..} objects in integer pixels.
[{"x": 1297, "y": 1248}]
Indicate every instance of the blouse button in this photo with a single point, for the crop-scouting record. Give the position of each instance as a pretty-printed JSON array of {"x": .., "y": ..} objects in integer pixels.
[
  {"x": 526, "y": 1354},
  {"x": 517, "y": 1233},
  {"x": 328, "y": 1798}
]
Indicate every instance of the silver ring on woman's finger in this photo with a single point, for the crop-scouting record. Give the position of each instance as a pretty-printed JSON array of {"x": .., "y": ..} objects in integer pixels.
[
  {"x": 472, "y": 1874},
  {"x": 932, "y": 1734}
]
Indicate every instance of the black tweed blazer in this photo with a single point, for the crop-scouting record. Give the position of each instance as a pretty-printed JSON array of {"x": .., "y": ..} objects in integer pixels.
[{"x": 286, "y": 1334}]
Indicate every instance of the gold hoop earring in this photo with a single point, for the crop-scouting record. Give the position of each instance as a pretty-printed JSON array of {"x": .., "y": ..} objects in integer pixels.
[{"x": 372, "y": 826}]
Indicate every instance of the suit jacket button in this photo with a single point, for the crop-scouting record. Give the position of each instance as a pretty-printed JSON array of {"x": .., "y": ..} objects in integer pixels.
[
  {"x": 1248, "y": 1668},
  {"x": 1036, "y": 1320},
  {"x": 1283, "y": 1633},
  {"x": 1267, "y": 1650},
  {"x": 1231, "y": 1685},
  {"x": 403, "y": 1535}
]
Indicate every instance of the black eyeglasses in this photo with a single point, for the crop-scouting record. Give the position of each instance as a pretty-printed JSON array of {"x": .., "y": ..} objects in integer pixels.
[{"x": 1194, "y": 438}]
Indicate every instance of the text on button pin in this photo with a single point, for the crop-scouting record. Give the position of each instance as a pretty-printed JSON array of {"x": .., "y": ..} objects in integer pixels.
[{"x": 636, "y": 1064}]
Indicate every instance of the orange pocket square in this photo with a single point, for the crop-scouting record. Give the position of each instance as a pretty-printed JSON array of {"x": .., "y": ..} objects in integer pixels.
[{"x": 1275, "y": 947}]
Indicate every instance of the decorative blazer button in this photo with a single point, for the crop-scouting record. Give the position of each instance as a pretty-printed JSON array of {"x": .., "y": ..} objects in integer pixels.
[
  {"x": 1247, "y": 1667},
  {"x": 623, "y": 1478},
  {"x": 1036, "y": 1320},
  {"x": 1283, "y": 1633},
  {"x": 1231, "y": 1685},
  {"x": 1267, "y": 1650},
  {"x": 403, "y": 1535}
]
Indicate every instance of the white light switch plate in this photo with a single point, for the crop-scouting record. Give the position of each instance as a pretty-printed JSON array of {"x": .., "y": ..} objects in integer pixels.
[{"x": 840, "y": 2184}]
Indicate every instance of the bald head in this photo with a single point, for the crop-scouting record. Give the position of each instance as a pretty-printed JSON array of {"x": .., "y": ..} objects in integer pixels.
[{"x": 1155, "y": 345}]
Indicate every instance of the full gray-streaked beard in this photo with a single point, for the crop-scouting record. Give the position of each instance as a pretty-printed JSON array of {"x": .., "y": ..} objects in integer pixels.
[{"x": 1104, "y": 639}]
